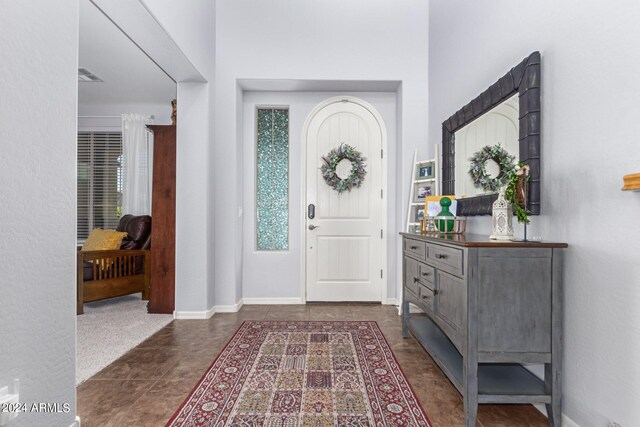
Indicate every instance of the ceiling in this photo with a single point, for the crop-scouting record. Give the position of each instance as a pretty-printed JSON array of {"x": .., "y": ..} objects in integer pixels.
[{"x": 129, "y": 76}]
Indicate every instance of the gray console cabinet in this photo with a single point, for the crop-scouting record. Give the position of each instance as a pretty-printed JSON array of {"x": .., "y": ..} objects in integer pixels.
[{"x": 489, "y": 307}]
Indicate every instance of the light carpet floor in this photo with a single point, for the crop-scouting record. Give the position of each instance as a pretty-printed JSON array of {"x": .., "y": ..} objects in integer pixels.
[{"x": 110, "y": 328}]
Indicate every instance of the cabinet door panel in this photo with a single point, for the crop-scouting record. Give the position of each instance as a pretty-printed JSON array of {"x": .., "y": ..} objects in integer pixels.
[
  {"x": 411, "y": 274},
  {"x": 514, "y": 300},
  {"x": 451, "y": 300}
]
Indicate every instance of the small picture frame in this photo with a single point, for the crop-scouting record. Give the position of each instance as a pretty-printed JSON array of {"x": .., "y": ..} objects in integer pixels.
[
  {"x": 425, "y": 170},
  {"x": 419, "y": 214},
  {"x": 422, "y": 190}
]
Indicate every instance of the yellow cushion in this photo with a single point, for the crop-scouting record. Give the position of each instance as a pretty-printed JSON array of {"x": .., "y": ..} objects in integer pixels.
[{"x": 103, "y": 240}]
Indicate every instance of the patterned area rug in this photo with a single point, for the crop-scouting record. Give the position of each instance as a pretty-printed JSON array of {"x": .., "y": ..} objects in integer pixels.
[{"x": 290, "y": 374}]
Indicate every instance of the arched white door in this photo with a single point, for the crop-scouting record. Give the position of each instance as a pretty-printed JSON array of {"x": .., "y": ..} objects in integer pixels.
[{"x": 345, "y": 235}]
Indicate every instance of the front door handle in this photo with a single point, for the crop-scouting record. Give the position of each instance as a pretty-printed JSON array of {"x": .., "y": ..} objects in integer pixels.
[{"x": 313, "y": 227}]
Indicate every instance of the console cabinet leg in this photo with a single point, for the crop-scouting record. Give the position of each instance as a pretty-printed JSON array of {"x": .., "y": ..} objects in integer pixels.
[
  {"x": 470, "y": 409},
  {"x": 552, "y": 384},
  {"x": 470, "y": 397}
]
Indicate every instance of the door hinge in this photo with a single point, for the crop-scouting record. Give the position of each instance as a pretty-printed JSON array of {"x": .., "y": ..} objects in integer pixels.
[
  {"x": 381, "y": 273},
  {"x": 381, "y": 233},
  {"x": 381, "y": 153},
  {"x": 381, "y": 193}
]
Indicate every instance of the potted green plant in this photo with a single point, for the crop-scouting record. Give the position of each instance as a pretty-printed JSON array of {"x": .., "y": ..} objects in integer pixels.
[{"x": 516, "y": 191}]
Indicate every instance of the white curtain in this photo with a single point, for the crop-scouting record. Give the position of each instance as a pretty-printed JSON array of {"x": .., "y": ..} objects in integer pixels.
[{"x": 137, "y": 152}]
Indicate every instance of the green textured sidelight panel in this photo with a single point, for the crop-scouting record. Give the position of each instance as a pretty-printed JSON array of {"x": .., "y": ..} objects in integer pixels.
[{"x": 272, "y": 180}]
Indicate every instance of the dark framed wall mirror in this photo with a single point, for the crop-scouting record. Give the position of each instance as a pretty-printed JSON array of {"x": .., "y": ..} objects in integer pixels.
[{"x": 509, "y": 113}]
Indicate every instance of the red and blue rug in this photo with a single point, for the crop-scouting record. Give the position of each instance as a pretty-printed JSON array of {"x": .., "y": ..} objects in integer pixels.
[{"x": 299, "y": 374}]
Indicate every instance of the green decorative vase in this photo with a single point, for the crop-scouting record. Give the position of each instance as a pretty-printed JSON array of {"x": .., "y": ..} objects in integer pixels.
[{"x": 445, "y": 225}]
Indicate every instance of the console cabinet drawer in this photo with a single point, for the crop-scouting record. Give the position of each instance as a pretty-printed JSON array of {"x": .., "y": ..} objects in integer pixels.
[
  {"x": 426, "y": 274},
  {"x": 426, "y": 297},
  {"x": 415, "y": 248},
  {"x": 448, "y": 259}
]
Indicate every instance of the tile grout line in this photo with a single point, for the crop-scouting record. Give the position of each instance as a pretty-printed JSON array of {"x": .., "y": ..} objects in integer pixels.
[
  {"x": 161, "y": 378},
  {"x": 143, "y": 394}
]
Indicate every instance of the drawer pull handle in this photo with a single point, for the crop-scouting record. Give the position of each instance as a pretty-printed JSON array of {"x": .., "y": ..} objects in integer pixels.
[
  {"x": 413, "y": 248},
  {"x": 426, "y": 296},
  {"x": 415, "y": 280},
  {"x": 435, "y": 291},
  {"x": 441, "y": 256},
  {"x": 426, "y": 274}
]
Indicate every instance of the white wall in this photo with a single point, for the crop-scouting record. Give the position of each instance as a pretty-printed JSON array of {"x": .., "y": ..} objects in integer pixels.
[
  {"x": 310, "y": 40},
  {"x": 105, "y": 117},
  {"x": 589, "y": 140},
  {"x": 283, "y": 268},
  {"x": 191, "y": 25},
  {"x": 38, "y": 75}
]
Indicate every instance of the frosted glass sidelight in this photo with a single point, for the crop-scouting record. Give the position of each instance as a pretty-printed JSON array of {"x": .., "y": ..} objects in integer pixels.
[{"x": 272, "y": 179}]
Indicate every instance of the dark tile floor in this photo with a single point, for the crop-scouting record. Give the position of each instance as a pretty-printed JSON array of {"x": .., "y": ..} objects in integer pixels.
[{"x": 145, "y": 386}]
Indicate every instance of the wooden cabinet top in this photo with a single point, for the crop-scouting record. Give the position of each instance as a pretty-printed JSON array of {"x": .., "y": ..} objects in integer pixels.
[
  {"x": 470, "y": 240},
  {"x": 160, "y": 128}
]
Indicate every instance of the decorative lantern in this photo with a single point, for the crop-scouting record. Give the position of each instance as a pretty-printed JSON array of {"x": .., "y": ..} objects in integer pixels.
[{"x": 502, "y": 218}]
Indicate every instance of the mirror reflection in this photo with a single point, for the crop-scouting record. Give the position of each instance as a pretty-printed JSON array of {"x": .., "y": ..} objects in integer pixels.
[
  {"x": 497, "y": 126},
  {"x": 120, "y": 90}
]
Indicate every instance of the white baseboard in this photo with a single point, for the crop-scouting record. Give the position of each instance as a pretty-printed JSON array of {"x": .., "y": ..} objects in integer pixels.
[
  {"x": 566, "y": 421},
  {"x": 194, "y": 315},
  {"x": 291, "y": 301},
  {"x": 233, "y": 308},
  {"x": 272, "y": 301},
  {"x": 76, "y": 423}
]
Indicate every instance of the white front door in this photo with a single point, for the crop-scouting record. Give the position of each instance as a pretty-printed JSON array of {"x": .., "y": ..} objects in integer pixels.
[{"x": 345, "y": 238}]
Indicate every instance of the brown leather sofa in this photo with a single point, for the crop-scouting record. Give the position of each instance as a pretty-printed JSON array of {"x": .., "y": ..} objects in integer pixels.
[{"x": 108, "y": 274}]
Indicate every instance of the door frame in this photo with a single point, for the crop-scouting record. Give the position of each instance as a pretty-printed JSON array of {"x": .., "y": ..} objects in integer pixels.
[{"x": 303, "y": 190}]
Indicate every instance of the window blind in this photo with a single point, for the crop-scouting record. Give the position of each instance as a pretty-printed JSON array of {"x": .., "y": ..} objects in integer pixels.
[{"x": 99, "y": 181}]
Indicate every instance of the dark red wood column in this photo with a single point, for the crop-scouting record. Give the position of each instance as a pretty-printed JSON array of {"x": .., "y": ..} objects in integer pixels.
[{"x": 163, "y": 212}]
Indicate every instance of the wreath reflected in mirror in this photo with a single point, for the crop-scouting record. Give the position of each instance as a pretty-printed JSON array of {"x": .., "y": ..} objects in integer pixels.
[
  {"x": 478, "y": 168},
  {"x": 330, "y": 164}
]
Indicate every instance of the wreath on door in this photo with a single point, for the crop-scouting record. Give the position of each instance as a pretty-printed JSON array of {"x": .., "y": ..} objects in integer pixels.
[
  {"x": 330, "y": 163},
  {"x": 478, "y": 167}
]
